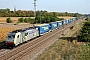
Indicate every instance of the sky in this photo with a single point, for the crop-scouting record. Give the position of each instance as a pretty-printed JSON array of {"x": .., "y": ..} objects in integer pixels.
[{"x": 73, "y": 6}]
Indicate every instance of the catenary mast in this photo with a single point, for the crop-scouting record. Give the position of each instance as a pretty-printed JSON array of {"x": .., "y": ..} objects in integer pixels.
[{"x": 34, "y": 8}]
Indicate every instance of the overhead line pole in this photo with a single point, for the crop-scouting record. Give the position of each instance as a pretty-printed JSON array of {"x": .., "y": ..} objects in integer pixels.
[{"x": 35, "y": 9}]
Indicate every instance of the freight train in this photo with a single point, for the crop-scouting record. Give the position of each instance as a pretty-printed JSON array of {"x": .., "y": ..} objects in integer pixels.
[{"x": 17, "y": 37}]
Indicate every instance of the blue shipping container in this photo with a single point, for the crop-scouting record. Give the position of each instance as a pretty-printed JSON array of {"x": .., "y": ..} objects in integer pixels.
[
  {"x": 53, "y": 25},
  {"x": 59, "y": 23},
  {"x": 63, "y": 22},
  {"x": 42, "y": 28},
  {"x": 66, "y": 21}
]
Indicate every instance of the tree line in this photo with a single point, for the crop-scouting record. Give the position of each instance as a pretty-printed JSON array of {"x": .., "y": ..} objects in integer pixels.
[
  {"x": 19, "y": 13},
  {"x": 23, "y": 13},
  {"x": 41, "y": 17}
]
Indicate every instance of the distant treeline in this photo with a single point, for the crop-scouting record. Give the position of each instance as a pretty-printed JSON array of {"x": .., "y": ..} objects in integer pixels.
[{"x": 23, "y": 13}]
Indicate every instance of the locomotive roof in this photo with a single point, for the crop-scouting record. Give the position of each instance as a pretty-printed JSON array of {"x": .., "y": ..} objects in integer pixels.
[
  {"x": 22, "y": 30},
  {"x": 10, "y": 33}
]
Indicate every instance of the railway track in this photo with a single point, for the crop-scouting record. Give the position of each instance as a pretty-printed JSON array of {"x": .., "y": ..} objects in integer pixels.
[
  {"x": 3, "y": 51},
  {"x": 30, "y": 47}
]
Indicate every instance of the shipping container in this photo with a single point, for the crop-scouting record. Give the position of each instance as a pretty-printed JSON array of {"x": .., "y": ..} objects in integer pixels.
[
  {"x": 67, "y": 21},
  {"x": 59, "y": 23},
  {"x": 43, "y": 28},
  {"x": 53, "y": 25},
  {"x": 63, "y": 22}
]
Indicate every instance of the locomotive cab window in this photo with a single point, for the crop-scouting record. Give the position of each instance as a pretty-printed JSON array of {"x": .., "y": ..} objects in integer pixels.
[
  {"x": 26, "y": 34},
  {"x": 11, "y": 36},
  {"x": 18, "y": 36}
]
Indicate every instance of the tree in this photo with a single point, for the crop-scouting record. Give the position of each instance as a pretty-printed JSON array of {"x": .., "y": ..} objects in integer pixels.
[
  {"x": 20, "y": 20},
  {"x": 8, "y": 20},
  {"x": 32, "y": 21},
  {"x": 26, "y": 20}
]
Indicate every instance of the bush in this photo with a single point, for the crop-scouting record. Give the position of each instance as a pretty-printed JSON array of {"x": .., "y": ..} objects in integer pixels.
[
  {"x": 26, "y": 20},
  {"x": 84, "y": 35},
  {"x": 31, "y": 21},
  {"x": 20, "y": 20},
  {"x": 8, "y": 20}
]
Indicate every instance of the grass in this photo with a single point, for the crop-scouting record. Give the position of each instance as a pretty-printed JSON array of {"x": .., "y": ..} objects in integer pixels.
[
  {"x": 53, "y": 52},
  {"x": 57, "y": 50},
  {"x": 83, "y": 52},
  {"x": 1, "y": 41}
]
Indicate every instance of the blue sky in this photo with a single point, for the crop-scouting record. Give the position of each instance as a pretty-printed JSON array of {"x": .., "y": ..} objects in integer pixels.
[{"x": 80, "y": 6}]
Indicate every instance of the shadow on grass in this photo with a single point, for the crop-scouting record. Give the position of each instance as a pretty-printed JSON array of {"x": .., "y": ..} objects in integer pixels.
[
  {"x": 72, "y": 38},
  {"x": 69, "y": 38}
]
